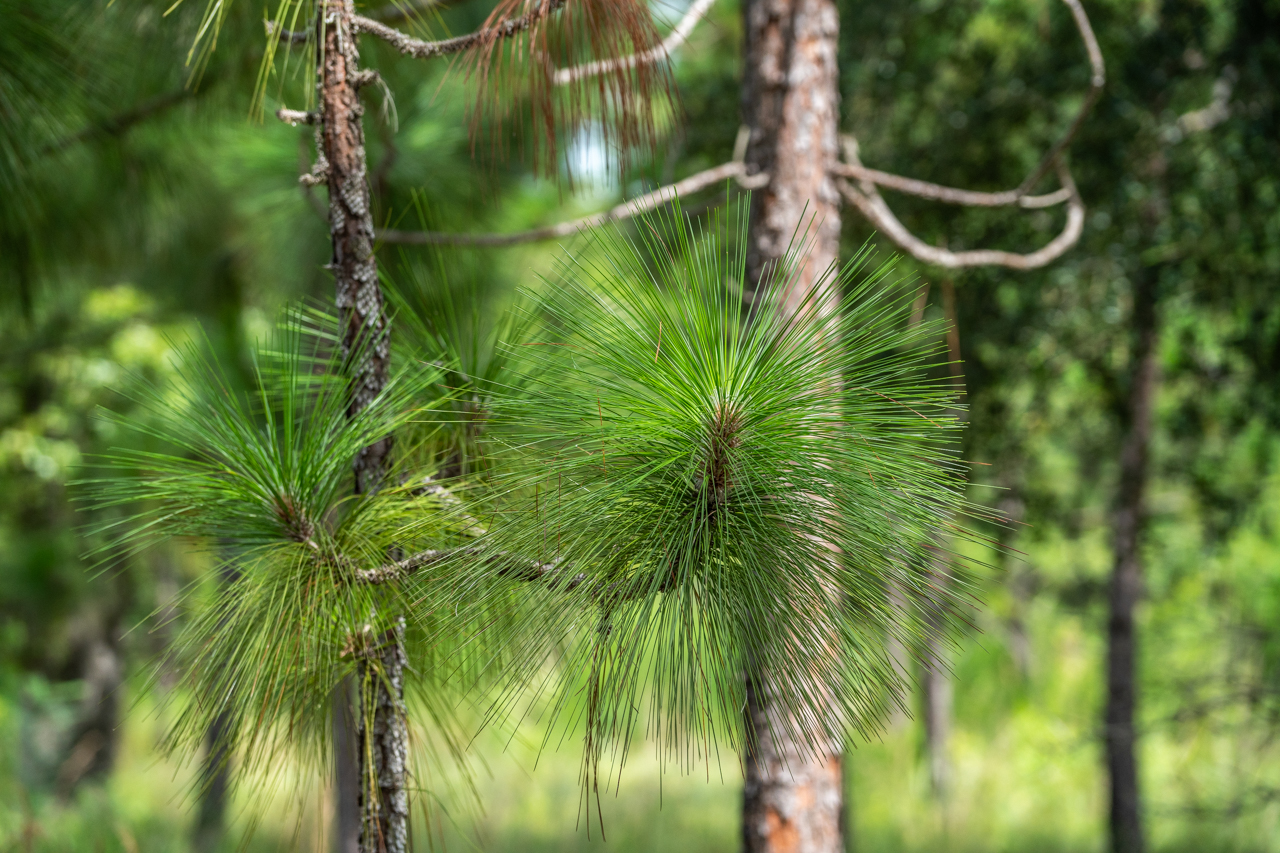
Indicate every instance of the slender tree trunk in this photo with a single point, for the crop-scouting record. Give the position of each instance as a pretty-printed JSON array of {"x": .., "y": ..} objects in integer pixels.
[
  {"x": 215, "y": 786},
  {"x": 937, "y": 699},
  {"x": 1126, "y": 579},
  {"x": 937, "y": 687},
  {"x": 384, "y": 750},
  {"x": 792, "y": 798},
  {"x": 346, "y": 756},
  {"x": 383, "y": 742},
  {"x": 215, "y": 773},
  {"x": 95, "y": 740}
]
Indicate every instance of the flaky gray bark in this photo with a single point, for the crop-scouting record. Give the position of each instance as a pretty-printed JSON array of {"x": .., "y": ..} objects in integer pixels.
[
  {"x": 355, "y": 270},
  {"x": 1125, "y": 811},
  {"x": 383, "y": 746},
  {"x": 384, "y": 741},
  {"x": 792, "y": 797}
]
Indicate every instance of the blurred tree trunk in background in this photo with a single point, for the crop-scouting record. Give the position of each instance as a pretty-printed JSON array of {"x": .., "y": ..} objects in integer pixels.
[
  {"x": 346, "y": 783},
  {"x": 94, "y": 741},
  {"x": 792, "y": 798},
  {"x": 1126, "y": 580},
  {"x": 936, "y": 676},
  {"x": 215, "y": 785}
]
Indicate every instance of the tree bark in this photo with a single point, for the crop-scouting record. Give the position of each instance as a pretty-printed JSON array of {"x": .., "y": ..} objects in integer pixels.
[
  {"x": 384, "y": 750},
  {"x": 1126, "y": 579},
  {"x": 383, "y": 744},
  {"x": 792, "y": 797}
]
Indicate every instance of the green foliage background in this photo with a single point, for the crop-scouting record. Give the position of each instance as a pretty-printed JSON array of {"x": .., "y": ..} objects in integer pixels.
[{"x": 141, "y": 216}]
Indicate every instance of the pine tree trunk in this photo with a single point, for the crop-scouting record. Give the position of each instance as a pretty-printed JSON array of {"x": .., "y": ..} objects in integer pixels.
[
  {"x": 792, "y": 798},
  {"x": 1126, "y": 580},
  {"x": 346, "y": 754},
  {"x": 937, "y": 687},
  {"x": 214, "y": 787},
  {"x": 937, "y": 701},
  {"x": 384, "y": 800},
  {"x": 383, "y": 744}
]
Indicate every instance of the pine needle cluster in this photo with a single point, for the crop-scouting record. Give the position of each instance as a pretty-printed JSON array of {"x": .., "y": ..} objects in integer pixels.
[
  {"x": 697, "y": 487},
  {"x": 261, "y": 477}
]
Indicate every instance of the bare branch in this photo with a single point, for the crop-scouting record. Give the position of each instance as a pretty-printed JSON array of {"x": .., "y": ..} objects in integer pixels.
[
  {"x": 866, "y": 196},
  {"x": 1097, "y": 80},
  {"x": 641, "y": 204},
  {"x": 297, "y": 117},
  {"x": 1019, "y": 196},
  {"x": 950, "y": 195},
  {"x": 286, "y": 36},
  {"x": 420, "y": 49},
  {"x": 868, "y": 201},
  {"x": 659, "y": 53},
  {"x": 1218, "y": 111}
]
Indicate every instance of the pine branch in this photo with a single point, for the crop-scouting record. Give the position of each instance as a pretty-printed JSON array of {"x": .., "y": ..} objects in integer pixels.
[
  {"x": 678, "y": 36},
  {"x": 420, "y": 49},
  {"x": 641, "y": 204},
  {"x": 518, "y": 568}
]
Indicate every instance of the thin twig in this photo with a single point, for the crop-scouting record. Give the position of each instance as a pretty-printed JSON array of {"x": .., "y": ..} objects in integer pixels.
[
  {"x": 420, "y": 49},
  {"x": 297, "y": 117},
  {"x": 640, "y": 204},
  {"x": 660, "y": 52},
  {"x": 1097, "y": 80},
  {"x": 1205, "y": 118},
  {"x": 287, "y": 36}
]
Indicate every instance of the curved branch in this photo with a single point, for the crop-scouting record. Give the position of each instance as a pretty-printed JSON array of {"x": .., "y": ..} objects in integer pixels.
[
  {"x": 658, "y": 53},
  {"x": 420, "y": 49},
  {"x": 868, "y": 201},
  {"x": 640, "y": 204},
  {"x": 1019, "y": 196},
  {"x": 1097, "y": 80},
  {"x": 950, "y": 195}
]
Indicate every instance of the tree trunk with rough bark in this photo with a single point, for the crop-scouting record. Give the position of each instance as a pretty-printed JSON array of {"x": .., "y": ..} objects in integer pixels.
[
  {"x": 1126, "y": 579},
  {"x": 792, "y": 798},
  {"x": 382, "y": 740}
]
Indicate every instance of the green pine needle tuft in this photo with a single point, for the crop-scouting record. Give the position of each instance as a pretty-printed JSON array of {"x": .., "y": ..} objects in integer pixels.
[
  {"x": 261, "y": 477},
  {"x": 708, "y": 487}
]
